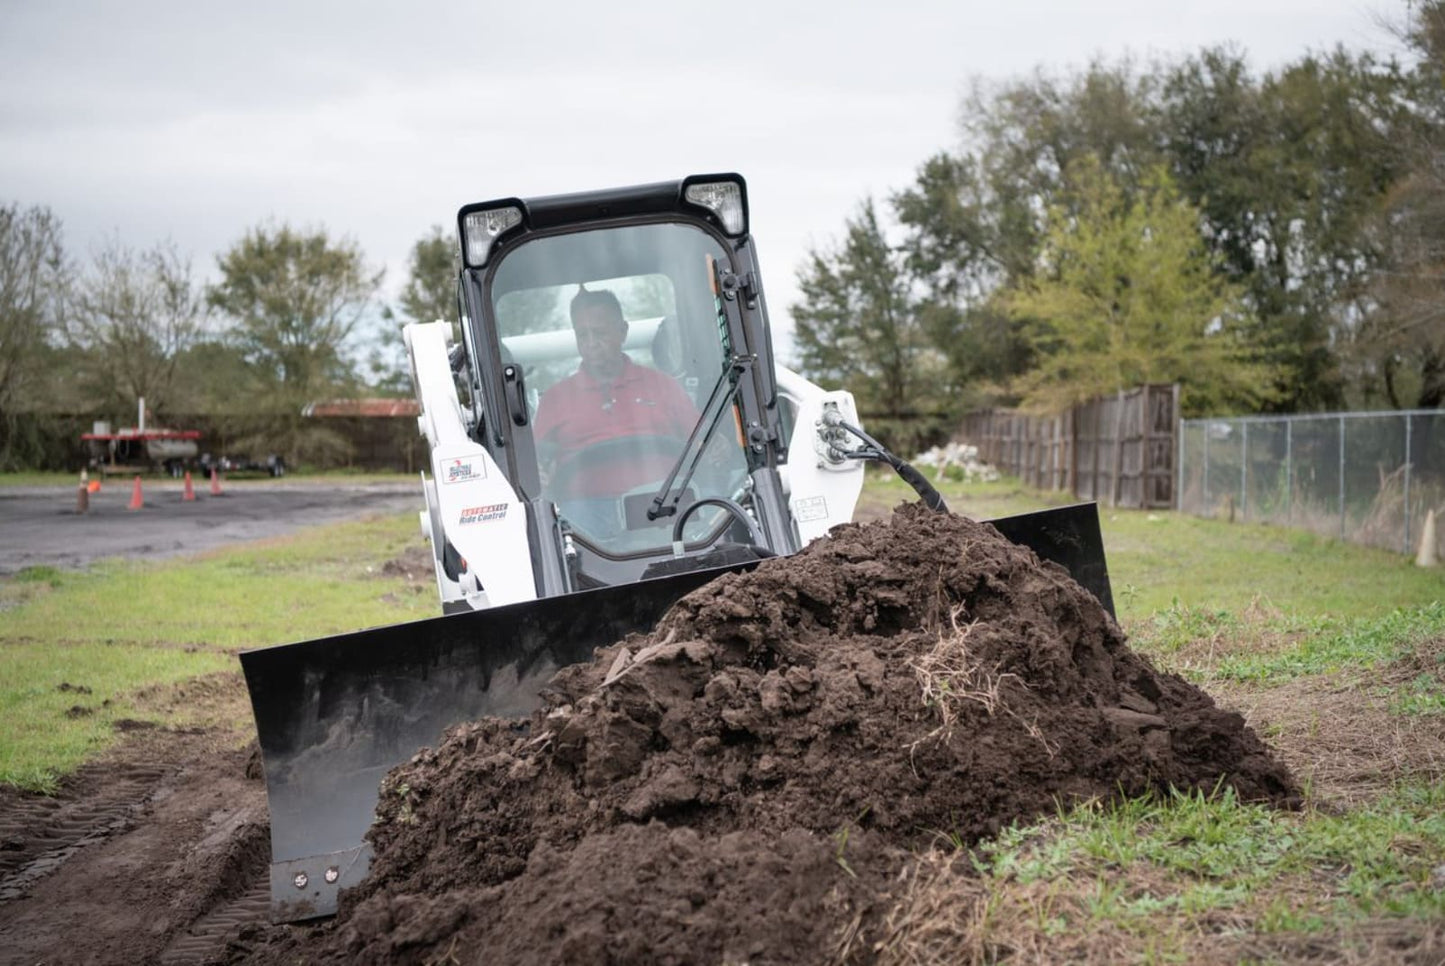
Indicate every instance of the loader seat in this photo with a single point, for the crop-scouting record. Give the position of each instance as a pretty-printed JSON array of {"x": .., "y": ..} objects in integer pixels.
[{"x": 666, "y": 352}]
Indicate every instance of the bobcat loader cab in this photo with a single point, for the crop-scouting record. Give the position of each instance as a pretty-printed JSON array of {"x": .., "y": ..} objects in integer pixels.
[{"x": 547, "y": 479}]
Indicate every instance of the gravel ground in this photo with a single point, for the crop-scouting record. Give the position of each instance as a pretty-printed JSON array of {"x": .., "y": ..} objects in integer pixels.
[{"x": 39, "y": 526}]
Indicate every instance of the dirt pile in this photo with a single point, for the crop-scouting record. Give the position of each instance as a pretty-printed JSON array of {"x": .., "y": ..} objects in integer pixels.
[{"x": 745, "y": 783}]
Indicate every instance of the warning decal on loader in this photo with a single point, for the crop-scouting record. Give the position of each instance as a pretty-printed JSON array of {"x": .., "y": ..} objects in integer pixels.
[
  {"x": 460, "y": 471},
  {"x": 482, "y": 514},
  {"x": 812, "y": 508}
]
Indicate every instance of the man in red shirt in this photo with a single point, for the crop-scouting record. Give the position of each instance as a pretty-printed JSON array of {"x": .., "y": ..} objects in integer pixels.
[{"x": 613, "y": 424}]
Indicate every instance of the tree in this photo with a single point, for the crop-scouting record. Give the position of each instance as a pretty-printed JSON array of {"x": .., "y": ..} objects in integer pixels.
[
  {"x": 974, "y": 220},
  {"x": 856, "y": 326},
  {"x": 32, "y": 280},
  {"x": 1395, "y": 338},
  {"x": 295, "y": 296},
  {"x": 134, "y": 313},
  {"x": 213, "y": 378},
  {"x": 431, "y": 284},
  {"x": 430, "y": 295},
  {"x": 1126, "y": 294},
  {"x": 1288, "y": 170}
]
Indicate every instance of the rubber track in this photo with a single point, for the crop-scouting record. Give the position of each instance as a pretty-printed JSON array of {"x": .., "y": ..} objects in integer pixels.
[{"x": 38, "y": 834}]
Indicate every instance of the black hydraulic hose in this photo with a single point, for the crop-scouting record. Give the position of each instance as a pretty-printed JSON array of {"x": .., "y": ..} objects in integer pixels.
[
  {"x": 876, "y": 451},
  {"x": 732, "y": 507}
]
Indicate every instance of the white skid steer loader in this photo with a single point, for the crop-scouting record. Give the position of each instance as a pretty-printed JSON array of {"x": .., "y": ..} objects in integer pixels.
[{"x": 610, "y": 432}]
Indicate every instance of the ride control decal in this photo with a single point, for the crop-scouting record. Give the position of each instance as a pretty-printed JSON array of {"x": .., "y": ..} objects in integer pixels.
[
  {"x": 460, "y": 471},
  {"x": 483, "y": 514}
]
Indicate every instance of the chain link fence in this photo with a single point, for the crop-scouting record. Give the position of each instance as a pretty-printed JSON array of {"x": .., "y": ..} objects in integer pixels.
[{"x": 1363, "y": 477}]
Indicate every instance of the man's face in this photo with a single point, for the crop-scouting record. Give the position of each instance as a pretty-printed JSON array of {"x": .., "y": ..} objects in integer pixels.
[{"x": 600, "y": 333}]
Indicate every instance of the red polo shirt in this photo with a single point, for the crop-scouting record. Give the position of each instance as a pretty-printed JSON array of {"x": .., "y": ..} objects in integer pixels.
[{"x": 582, "y": 411}]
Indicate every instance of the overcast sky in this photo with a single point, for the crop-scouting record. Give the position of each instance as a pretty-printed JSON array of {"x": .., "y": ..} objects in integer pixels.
[{"x": 194, "y": 120}]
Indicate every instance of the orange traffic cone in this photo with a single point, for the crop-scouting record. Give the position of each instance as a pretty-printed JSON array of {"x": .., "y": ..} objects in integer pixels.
[
  {"x": 82, "y": 495},
  {"x": 215, "y": 482},
  {"x": 136, "y": 499},
  {"x": 190, "y": 493}
]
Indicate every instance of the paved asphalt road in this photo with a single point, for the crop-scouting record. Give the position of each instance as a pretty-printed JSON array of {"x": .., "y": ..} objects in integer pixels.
[{"x": 39, "y": 525}]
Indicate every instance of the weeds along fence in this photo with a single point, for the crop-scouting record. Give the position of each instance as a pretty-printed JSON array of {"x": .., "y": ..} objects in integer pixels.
[
  {"x": 1118, "y": 450},
  {"x": 1368, "y": 478}
]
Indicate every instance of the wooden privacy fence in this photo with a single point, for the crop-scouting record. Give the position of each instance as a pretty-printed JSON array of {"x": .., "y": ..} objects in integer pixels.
[{"x": 1119, "y": 450}]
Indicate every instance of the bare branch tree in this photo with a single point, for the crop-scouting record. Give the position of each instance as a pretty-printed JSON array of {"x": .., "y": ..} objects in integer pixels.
[
  {"x": 135, "y": 312},
  {"x": 31, "y": 276}
]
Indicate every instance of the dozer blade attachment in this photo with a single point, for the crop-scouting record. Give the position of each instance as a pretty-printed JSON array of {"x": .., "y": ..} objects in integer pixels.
[
  {"x": 334, "y": 715},
  {"x": 1069, "y": 536}
]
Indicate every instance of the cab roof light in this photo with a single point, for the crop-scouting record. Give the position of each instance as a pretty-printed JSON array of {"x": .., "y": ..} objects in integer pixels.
[
  {"x": 724, "y": 199},
  {"x": 480, "y": 230}
]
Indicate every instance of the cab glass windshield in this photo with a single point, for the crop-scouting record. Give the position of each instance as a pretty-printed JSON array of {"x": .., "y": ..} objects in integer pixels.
[{"x": 617, "y": 334}]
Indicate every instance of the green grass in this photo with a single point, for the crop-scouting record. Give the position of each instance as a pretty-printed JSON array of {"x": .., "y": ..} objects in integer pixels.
[
  {"x": 1328, "y": 646},
  {"x": 1134, "y": 862},
  {"x": 39, "y": 478},
  {"x": 60, "y": 702},
  {"x": 40, "y": 574},
  {"x": 322, "y": 581},
  {"x": 124, "y": 625},
  {"x": 1161, "y": 559}
]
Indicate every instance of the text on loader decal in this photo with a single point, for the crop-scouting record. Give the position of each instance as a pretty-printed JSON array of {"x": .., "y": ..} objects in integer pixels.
[
  {"x": 459, "y": 471},
  {"x": 481, "y": 514}
]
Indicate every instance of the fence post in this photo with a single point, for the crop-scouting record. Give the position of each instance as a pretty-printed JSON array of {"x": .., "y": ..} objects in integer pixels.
[
  {"x": 1118, "y": 449},
  {"x": 1146, "y": 427},
  {"x": 1176, "y": 498},
  {"x": 1243, "y": 470},
  {"x": 1206, "y": 466},
  {"x": 1405, "y": 537},
  {"x": 1178, "y": 501},
  {"x": 1342, "y": 477},
  {"x": 1074, "y": 450},
  {"x": 1289, "y": 469}
]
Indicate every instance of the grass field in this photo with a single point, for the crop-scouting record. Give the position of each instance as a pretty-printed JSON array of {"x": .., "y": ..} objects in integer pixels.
[
  {"x": 77, "y": 646},
  {"x": 1335, "y": 653}
]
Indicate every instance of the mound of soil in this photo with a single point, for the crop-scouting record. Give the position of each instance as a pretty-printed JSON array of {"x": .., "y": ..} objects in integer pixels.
[{"x": 745, "y": 782}]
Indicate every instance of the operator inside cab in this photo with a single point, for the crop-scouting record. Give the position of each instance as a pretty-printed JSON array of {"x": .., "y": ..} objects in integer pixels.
[{"x": 612, "y": 425}]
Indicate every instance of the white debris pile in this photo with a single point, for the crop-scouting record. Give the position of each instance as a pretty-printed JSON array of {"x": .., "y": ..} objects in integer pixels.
[{"x": 962, "y": 455}]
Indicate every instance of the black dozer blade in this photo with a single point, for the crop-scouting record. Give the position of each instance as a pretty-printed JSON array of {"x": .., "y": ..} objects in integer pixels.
[{"x": 334, "y": 715}]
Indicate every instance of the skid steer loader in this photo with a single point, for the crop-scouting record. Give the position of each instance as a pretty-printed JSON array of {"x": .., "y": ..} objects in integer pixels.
[{"x": 608, "y": 431}]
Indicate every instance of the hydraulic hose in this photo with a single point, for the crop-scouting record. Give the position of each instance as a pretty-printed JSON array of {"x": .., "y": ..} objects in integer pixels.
[
  {"x": 732, "y": 507},
  {"x": 877, "y": 452}
]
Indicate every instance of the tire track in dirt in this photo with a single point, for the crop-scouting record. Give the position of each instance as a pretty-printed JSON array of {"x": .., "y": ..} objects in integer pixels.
[
  {"x": 159, "y": 855},
  {"x": 39, "y": 834},
  {"x": 208, "y": 939}
]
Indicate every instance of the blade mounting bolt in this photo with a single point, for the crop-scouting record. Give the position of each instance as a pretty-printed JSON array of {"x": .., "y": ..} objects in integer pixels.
[
  {"x": 300, "y": 880},
  {"x": 332, "y": 874}
]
